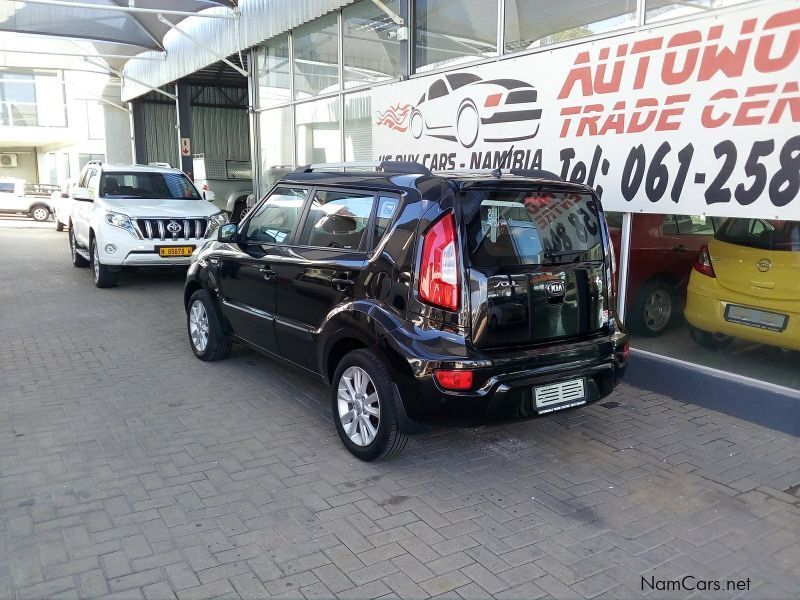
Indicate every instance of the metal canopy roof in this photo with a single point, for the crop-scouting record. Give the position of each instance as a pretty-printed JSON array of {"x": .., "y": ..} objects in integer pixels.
[
  {"x": 119, "y": 28},
  {"x": 259, "y": 20}
]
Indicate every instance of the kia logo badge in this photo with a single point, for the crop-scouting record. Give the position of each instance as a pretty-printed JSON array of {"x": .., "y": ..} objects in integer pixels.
[{"x": 555, "y": 288}]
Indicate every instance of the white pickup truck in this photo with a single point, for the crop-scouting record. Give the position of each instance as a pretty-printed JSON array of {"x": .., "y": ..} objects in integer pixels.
[
  {"x": 228, "y": 183},
  {"x": 19, "y": 198},
  {"x": 137, "y": 216}
]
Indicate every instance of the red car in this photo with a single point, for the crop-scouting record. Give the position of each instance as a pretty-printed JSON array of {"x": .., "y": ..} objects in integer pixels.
[{"x": 663, "y": 249}]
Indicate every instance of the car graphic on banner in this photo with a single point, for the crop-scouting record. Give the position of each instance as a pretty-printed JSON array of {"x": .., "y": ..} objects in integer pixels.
[{"x": 463, "y": 108}]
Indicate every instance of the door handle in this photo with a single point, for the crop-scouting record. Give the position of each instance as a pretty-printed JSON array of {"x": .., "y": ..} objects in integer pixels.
[
  {"x": 268, "y": 273},
  {"x": 680, "y": 248}
]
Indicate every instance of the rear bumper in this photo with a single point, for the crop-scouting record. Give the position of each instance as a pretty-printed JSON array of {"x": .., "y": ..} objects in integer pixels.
[
  {"x": 706, "y": 301},
  {"x": 504, "y": 383}
]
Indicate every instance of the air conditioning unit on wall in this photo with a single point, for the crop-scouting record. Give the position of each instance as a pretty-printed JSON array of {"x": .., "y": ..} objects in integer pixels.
[{"x": 8, "y": 160}]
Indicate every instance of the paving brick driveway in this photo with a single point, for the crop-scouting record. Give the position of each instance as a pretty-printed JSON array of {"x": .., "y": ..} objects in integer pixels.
[{"x": 128, "y": 467}]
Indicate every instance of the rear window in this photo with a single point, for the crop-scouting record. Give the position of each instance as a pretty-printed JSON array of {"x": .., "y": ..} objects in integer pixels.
[
  {"x": 7, "y": 188},
  {"x": 762, "y": 234},
  {"x": 508, "y": 227}
]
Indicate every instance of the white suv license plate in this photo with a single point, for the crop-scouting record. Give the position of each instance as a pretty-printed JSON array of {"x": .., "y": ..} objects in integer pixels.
[{"x": 558, "y": 396}]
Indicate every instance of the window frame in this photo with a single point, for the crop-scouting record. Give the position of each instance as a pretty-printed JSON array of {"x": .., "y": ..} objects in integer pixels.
[
  {"x": 378, "y": 195},
  {"x": 289, "y": 238},
  {"x": 366, "y": 245}
]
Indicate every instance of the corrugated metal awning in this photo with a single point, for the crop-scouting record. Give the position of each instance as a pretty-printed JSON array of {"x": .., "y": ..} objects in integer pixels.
[{"x": 259, "y": 21}]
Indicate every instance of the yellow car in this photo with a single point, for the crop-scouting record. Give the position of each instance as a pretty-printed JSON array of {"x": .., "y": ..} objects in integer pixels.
[{"x": 746, "y": 284}]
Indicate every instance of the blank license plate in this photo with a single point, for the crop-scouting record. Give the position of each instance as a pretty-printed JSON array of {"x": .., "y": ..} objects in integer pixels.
[
  {"x": 753, "y": 317},
  {"x": 558, "y": 396},
  {"x": 169, "y": 251}
]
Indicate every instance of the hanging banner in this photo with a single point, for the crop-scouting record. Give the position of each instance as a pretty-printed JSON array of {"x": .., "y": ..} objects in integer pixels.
[{"x": 701, "y": 117}]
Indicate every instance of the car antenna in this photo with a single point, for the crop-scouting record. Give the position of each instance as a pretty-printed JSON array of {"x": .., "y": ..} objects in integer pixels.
[{"x": 497, "y": 173}]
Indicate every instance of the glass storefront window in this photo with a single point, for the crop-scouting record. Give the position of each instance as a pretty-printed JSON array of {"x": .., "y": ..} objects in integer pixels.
[
  {"x": 275, "y": 137},
  {"x": 358, "y": 126},
  {"x": 318, "y": 132},
  {"x": 448, "y": 32},
  {"x": 274, "y": 75},
  {"x": 31, "y": 99},
  {"x": 535, "y": 23},
  {"x": 662, "y": 10},
  {"x": 316, "y": 57},
  {"x": 370, "y": 46},
  {"x": 723, "y": 293}
]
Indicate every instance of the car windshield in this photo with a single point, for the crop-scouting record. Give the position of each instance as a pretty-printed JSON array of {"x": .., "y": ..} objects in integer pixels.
[
  {"x": 761, "y": 234},
  {"x": 510, "y": 227},
  {"x": 147, "y": 184}
]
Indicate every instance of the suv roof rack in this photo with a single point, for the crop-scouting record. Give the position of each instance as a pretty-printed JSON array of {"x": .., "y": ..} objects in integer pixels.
[
  {"x": 536, "y": 173},
  {"x": 530, "y": 173},
  {"x": 390, "y": 166}
]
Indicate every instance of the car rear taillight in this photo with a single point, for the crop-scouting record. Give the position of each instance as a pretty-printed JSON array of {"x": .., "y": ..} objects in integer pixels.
[
  {"x": 454, "y": 380},
  {"x": 438, "y": 282},
  {"x": 492, "y": 100},
  {"x": 703, "y": 263}
]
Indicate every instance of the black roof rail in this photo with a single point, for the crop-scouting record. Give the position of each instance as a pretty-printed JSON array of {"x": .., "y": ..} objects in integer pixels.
[
  {"x": 390, "y": 166},
  {"x": 536, "y": 174}
]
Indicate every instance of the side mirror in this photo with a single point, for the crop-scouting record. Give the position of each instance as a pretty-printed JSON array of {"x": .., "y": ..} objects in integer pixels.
[
  {"x": 81, "y": 194},
  {"x": 228, "y": 233}
]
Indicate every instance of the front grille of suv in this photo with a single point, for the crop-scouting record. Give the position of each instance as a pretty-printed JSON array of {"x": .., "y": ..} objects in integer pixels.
[{"x": 172, "y": 229}]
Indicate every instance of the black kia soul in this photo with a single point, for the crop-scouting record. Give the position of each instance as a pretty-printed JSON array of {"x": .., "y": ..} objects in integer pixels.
[{"x": 420, "y": 297}]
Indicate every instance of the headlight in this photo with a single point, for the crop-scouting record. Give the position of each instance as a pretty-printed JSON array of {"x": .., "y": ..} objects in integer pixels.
[
  {"x": 121, "y": 221},
  {"x": 215, "y": 221}
]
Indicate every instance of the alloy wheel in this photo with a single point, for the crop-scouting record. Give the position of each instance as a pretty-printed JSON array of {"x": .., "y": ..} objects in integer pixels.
[
  {"x": 40, "y": 214},
  {"x": 657, "y": 310},
  {"x": 198, "y": 326},
  {"x": 359, "y": 406}
]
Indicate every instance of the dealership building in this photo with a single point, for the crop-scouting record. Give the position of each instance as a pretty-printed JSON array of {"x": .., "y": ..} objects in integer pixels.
[{"x": 684, "y": 116}]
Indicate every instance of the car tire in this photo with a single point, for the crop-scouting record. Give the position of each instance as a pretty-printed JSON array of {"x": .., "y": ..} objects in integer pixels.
[
  {"x": 104, "y": 277},
  {"x": 706, "y": 339},
  {"x": 417, "y": 125},
  {"x": 208, "y": 340},
  {"x": 350, "y": 407},
  {"x": 239, "y": 212},
  {"x": 77, "y": 260},
  {"x": 59, "y": 225},
  {"x": 39, "y": 213},
  {"x": 468, "y": 131},
  {"x": 654, "y": 309}
]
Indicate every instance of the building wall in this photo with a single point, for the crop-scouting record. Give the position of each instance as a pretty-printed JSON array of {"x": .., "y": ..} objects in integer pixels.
[
  {"x": 26, "y": 164},
  {"x": 219, "y": 129}
]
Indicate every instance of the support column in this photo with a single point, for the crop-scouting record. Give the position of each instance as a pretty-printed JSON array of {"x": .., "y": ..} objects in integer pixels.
[
  {"x": 139, "y": 138},
  {"x": 184, "y": 128}
]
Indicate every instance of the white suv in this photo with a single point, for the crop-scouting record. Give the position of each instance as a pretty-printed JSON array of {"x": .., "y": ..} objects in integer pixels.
[{"x": 137, "y": 216}]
